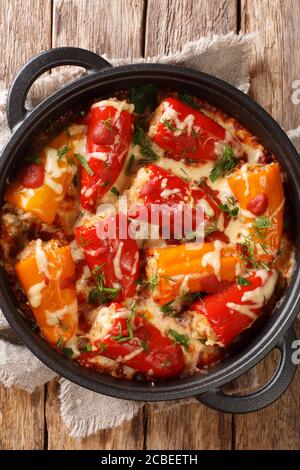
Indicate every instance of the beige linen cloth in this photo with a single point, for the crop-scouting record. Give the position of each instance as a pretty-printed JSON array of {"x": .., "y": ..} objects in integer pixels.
[{"x": 85, "y": 412}]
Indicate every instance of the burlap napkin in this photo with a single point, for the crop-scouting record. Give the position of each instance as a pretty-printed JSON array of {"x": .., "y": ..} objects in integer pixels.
[{"x": 85, "y": 412}]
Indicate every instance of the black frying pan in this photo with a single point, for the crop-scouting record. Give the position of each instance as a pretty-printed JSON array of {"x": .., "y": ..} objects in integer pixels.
[{"x": 102, "y": 79}]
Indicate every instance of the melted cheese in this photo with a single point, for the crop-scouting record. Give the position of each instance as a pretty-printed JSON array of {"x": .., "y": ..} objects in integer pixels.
[
  {"x": 34, "y": 294},
  {"x": 56, "y": 187},
  {"x": 118, "y": 105},
  {"x": 171, "y": 114},
  {"x": 213, "y": 258},
  {"x": 52, "y": 167},
  {"x": 169, "y": 192},
  {"x": 244, "y": 176},
  {"x": 116, "y": 262},
  {"x": 75, "y": 129},
  {"x": 41, "y": 258},
  {"x": 258, "y": 297},
  {"x": 208, "y": 210},
  {"x": 54, "y": 317}
]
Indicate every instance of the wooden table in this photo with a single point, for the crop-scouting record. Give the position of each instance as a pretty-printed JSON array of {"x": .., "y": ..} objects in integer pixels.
[{"x": 134, "y": 28}]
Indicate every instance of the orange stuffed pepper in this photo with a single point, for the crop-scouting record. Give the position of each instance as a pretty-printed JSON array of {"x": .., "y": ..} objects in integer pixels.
[
  {"x": 191, "y": 268},
  {"x": 47, "y": 274}
]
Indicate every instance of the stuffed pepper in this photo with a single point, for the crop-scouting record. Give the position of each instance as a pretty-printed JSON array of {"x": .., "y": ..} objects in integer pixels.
[
  {"x": 185, "y": 132},
  {"x": 112, "y": 256},
  {"x": 47, "y": 274},
  {"x": 220, "y": 317},
  {"x": 108, "y": 140}
]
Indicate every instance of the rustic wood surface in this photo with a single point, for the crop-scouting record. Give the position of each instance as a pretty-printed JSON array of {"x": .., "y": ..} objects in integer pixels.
[{"x": 133, "y": 28}]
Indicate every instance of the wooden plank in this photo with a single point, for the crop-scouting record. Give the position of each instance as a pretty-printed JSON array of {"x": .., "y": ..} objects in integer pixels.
[
  {"x": 169, "y": 25},
  {"x": 275, "y": 66},
  {"x": 129, "y": 435},
  {"x": 116, "y": 28},
  {"x": 276, "y": 60},
  {"x": 187, "y": 427},
  {"x": 21, "y": 419},
  {"x": 113, "y": 27},
  {"x": 25, "y": 31}
]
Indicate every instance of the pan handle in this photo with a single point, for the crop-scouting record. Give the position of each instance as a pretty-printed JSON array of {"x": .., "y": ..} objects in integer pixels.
[
  {"x": 41, "y": 63},
  {"x": 263, "y": 397}
]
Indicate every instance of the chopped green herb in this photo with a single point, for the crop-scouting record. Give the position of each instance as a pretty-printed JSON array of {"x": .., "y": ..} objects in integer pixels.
[
  {"x": 140, "y": 138},
  {"x": 190, "y": 297},
  {"x": 130, "y": 318},
  {"x": 183, "y": 340},
  {"x": 101, "y": 293},
  {"x": 107, "y": 124},
  {"x": 84, "y": 163},
  {"x": 168, "y": 309},
  {"x": 68, "y": 132},
  {"x": 143, "y": 97},
  {"x": 248, "y": 254},
  {"x": 186, "y": 176},
  {"x": 106, "y": 184},
  {"x": 102, "y": 347},
  {"x": 201, "y": 181},
  {"x": 60, "y": 342},
  {"x": 115, "y": 191},
  {"x": 33, "y": 158},
  {"x": 83, "y": 243},
  {"x": 242, "y": 281},
  {"x": 189, "y": 100},
  {"x": 225, "y": 164},
  {"x": 68, "y": 352},
  {"x": 262, "y": 223},
  {"x": 265, "y": 266},
  {"x": 169, "y": 125},
  {"x": 190, "y": 236},
  {"x": 145, "y": 346},
  {"x": 120, "y": 337},
  {"x": 62, "y": 151},
  {"x": 232, "y": 212},
  {"x": 129, "y": 165},
  {"x": 34, "y": 326},
  {"x": 152, "y": 282},
  {"x": 211, "y": 228},
  {"x": 88, "y": 347}
]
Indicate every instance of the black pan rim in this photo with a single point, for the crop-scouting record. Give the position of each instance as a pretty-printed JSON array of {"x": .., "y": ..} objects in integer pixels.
[{"x": 267, "y": 337}]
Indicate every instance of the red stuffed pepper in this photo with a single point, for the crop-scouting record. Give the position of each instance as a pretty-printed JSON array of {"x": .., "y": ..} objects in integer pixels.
[
  {"x": 226, "y": 314},
  {"x": 184, "y": 132},
  {"x": 136, "y": 343},
  {"x": 111, "y": 255},
  {"x": 108, "y": 140}
]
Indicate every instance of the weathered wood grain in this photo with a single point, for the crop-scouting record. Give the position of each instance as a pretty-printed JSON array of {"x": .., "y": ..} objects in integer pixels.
[
  {"x": 276, "y": 60},
  {"x": 21, "y": 419},
  {"x": 191, "y": 426},
  {"x": 170, "y": 24},
  {"x": 129, "y": 435},
  {"x": 113, "y": 27},
  {"x": 276, "y": 64},
  {"x": 25, "y": 31}
]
